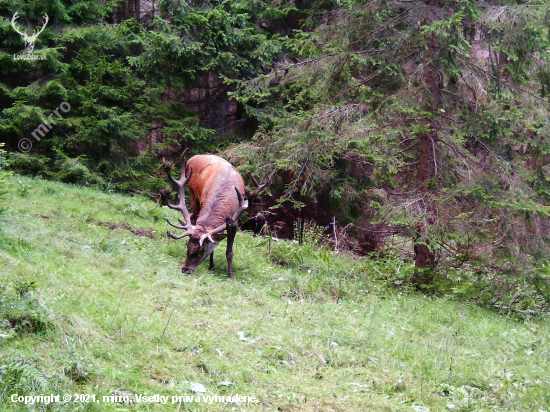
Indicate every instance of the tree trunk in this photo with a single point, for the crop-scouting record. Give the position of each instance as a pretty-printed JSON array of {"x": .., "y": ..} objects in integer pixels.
[
  {"x": 137, "y": 11},
  {"x": 427, "y": 165},
  {"x": 129, "y": 9},
  {"x": 424, "y": 260},
  {"x": 427, "y": 168}
]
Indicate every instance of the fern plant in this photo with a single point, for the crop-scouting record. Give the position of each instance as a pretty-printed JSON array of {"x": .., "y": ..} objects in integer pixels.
[{"x": 19, "y": 376}]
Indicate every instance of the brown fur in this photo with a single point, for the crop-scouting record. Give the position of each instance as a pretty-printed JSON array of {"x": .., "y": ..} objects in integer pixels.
[
  {"x": 213, "y": 185},
  {"x": 212, "y": 190}
]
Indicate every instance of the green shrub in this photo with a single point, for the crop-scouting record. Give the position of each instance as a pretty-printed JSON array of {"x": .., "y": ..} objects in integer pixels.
[
  {"x": 4, "y": 183},
  {"x": 73, "y": 171},
  {"x": 25, "y": 163},
  {"x": 21, "y": 313}
]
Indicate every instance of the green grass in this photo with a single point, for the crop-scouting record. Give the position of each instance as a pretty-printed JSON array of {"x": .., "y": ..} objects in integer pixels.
[{"x": 87, "y": 309}]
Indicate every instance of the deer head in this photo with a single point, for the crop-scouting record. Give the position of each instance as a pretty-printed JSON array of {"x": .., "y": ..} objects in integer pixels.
[{"x": 29, "y": 40}]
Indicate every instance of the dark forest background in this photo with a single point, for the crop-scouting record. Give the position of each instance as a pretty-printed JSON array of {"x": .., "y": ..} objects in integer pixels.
[{"x": 412, "y": 128}]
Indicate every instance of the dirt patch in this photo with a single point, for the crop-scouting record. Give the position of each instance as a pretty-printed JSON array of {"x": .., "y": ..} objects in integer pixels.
[{"x": 138, "y": 231}]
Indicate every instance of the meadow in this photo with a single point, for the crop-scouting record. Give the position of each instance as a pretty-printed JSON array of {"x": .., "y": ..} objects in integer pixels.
[{"x": 93, "y": 301}]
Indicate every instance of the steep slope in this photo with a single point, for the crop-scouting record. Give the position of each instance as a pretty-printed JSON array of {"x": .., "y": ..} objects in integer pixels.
[{"x": 93, "y": 302}]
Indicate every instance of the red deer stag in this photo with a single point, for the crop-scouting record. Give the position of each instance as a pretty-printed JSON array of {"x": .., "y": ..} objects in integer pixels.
[{"x": 217, "y": 199}]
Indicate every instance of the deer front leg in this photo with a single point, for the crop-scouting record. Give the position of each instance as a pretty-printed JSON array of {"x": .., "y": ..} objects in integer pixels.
[
  {"x": 195, "y": 207},
  {"x": 211, "y": 266},
  {"x": 231, "y": 232}
]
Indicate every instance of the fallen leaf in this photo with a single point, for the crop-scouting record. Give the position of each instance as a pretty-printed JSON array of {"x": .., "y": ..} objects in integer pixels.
[
  {"x": 197, "y": 387},
  {"x": 241, "y": 336}
]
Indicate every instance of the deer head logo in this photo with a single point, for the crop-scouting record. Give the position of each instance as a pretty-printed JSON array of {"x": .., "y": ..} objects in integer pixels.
[{"x": 29, "y": 40}]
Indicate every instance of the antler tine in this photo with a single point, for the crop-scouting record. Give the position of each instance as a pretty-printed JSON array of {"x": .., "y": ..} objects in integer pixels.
[
  {"x": 183, "y": 227},
  {"x": 188, "y": 233},
  {"x": 181, "y": 206},
  {"x": 183, "y": 179},
  {"x": 259, "y": 187},
  {"x": 243, "y": 205},
  {"x": 209, "y": 236},
  {"x": 254, "y": 180}
]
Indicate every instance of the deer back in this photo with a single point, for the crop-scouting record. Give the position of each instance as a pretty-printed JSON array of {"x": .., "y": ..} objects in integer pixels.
[{"x": 212, "y": 188}]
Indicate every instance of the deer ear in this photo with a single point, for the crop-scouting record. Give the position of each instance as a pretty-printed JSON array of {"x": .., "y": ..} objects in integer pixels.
[{"x": 217, "y": 238}]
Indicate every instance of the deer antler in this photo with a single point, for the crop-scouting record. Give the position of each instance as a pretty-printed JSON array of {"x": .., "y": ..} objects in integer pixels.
[
  {"x": 258, "y": 186},
  {"x": 36, "y": 34},
  {"x": 187, "y": 226},
  {"x": 15, "y": 17},
  {"x": 243, "y": 205}
]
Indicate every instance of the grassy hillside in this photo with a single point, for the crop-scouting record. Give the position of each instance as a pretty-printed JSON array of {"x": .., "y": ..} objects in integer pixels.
[{"x": 93, "y": 301}]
